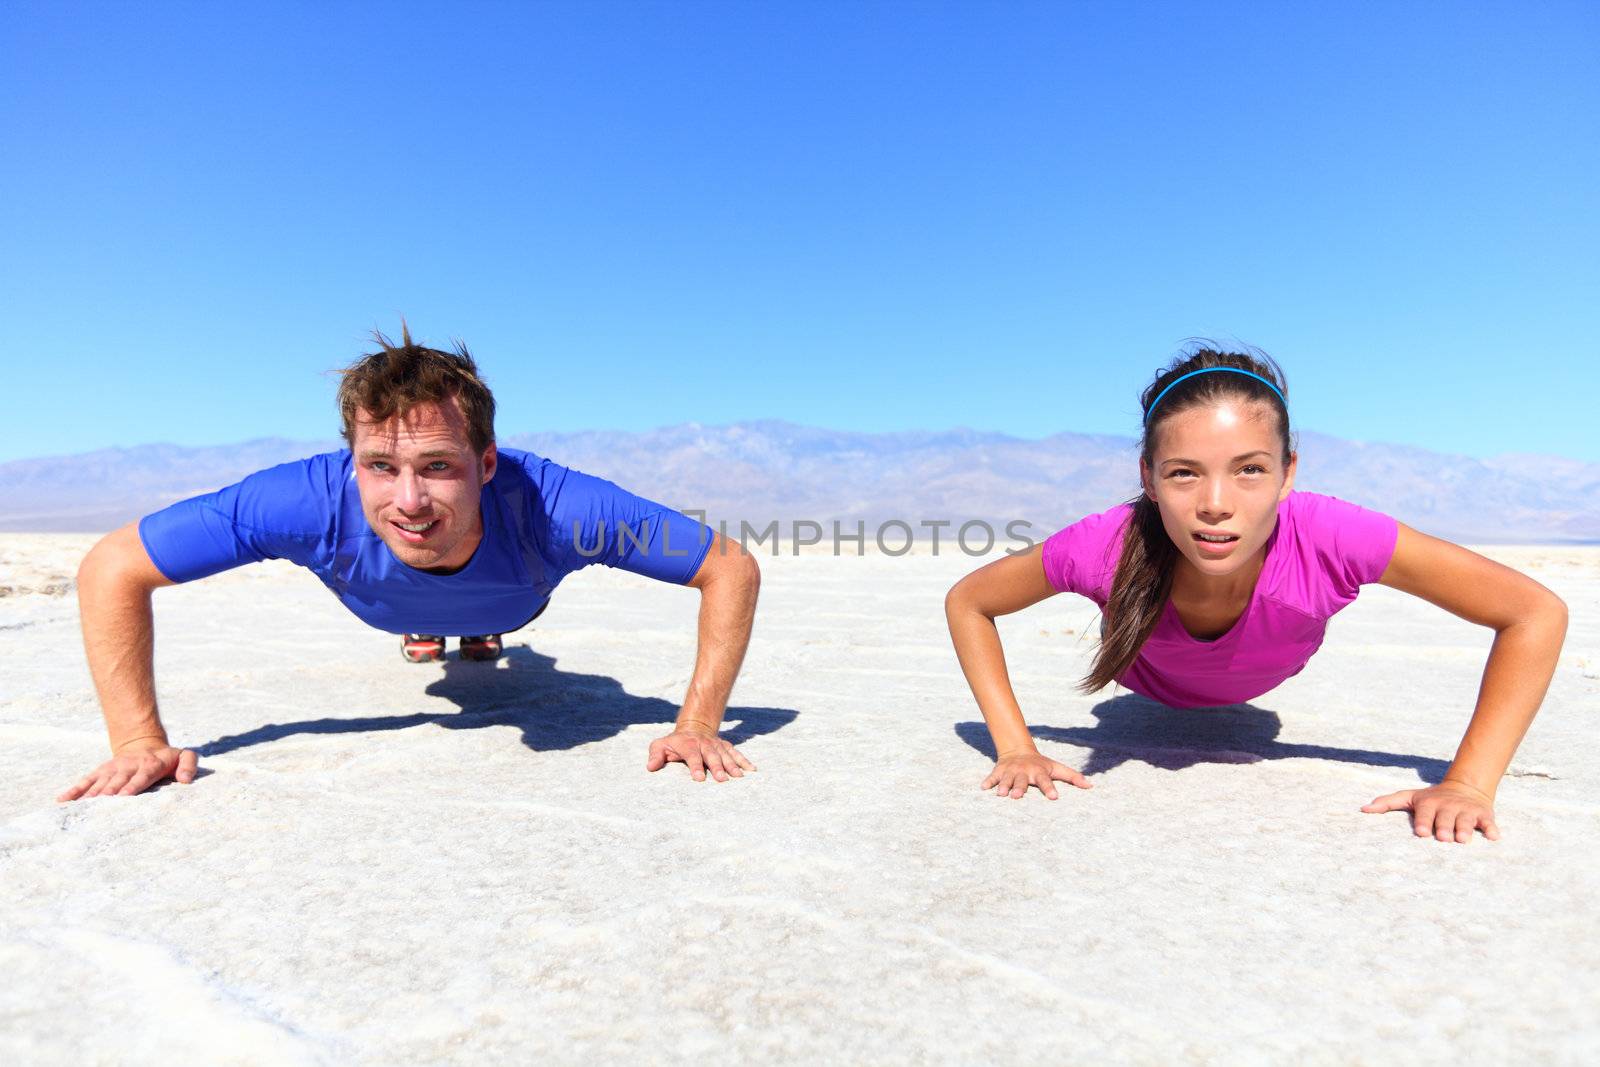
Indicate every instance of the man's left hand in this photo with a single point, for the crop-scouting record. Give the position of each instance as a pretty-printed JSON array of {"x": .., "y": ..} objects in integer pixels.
[{"x": 702, "y": 750}]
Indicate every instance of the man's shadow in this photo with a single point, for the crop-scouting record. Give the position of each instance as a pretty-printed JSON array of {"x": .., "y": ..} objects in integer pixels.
[
  {"x": 1133, "y": 728},
  {"x": 554, "y": 709}
]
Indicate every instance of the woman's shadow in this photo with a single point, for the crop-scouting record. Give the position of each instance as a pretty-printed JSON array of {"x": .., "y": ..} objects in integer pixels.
[
  {"x": 554, "y": 709},
  {"x": 1131, "y": 727}
]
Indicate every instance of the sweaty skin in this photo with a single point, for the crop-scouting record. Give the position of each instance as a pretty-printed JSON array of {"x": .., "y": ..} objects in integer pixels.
[
  {"x": 418, "y": 471},
  {"x": 1218, "y": 470}
]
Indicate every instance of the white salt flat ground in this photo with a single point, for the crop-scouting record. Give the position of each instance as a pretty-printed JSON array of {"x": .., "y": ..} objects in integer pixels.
[{"x": 395, "y": 864}]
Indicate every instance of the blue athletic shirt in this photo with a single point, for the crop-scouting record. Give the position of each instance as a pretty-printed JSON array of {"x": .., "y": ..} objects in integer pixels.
[{"x": 541, "y": 522}]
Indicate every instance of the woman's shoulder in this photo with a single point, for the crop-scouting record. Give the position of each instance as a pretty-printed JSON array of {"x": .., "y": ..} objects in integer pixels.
[
  {"x": 1318, "y": 504},
  {"x": 1330, "y": 519},
  {"x": 1346, "y": 544},
  {"x": 1082, "y": 556},
  {"x": 1096, "y": 527}
]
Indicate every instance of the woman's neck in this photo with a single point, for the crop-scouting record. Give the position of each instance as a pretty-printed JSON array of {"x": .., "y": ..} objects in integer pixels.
[{"x": 1190, "y": 585}]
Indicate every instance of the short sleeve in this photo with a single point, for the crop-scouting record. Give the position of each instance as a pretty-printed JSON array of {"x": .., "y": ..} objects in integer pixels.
[
  {"x": 596, "y": 521},
  {"x": 1082, "y": 558},
  {"x": 1353, "y": 544},
  {"x": 279, "y": 513}
]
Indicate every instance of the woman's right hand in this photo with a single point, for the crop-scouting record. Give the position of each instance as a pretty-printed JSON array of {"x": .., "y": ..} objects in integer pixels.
[{"x": 1014, "y": 773}]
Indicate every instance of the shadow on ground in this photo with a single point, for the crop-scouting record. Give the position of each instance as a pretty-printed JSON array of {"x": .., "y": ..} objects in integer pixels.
[
  {"x": 554, "y": 709},
  {"x": 1131, "y": 727}
]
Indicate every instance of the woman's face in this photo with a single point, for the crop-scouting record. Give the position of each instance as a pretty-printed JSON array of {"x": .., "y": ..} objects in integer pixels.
[{"x": 1217, "y": 474}]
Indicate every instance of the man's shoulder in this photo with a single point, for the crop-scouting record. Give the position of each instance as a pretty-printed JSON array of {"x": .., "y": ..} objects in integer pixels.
[
  {"x": 291, "y": 511},
  {"x": 326, "y": 474},
  {"x": 338, "y": 461},
  {"x": 520, "y": 471},
  {"x": 547, "y": 477},
  {"x": 563, "y": 492},
  {"x": 298, "y": 497},
  {"x": 520, "y": 460}
]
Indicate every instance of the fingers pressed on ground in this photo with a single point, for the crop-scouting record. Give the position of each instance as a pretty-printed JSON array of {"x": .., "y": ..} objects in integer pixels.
[
  {"x": 138, "y": 783},
  {"x": 108, "y": 783},
  {"x": 1444, "y": 826},
  {"x": 1063, "y": 773},
  {"x": 1387, "y": 802}
]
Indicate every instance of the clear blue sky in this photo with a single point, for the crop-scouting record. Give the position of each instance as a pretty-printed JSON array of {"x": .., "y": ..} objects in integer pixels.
[{"x": 866, "y": 216}]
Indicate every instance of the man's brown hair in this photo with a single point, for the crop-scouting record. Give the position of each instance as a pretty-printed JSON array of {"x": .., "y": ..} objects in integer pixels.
[{"x": 398, "y": 377}]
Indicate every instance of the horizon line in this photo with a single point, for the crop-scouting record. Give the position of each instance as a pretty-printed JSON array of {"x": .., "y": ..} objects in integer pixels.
[{"x": 697, "y": 425}]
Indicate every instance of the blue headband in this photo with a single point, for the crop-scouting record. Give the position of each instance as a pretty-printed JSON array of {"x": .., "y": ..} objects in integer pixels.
[{"x": 1208, "y": 370}]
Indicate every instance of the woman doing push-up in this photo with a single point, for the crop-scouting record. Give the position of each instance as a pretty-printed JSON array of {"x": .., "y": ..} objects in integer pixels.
[{"x": 1217, "y": 582}]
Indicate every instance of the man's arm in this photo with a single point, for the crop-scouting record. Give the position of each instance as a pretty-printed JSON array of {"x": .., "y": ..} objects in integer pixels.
[
  {"x": 115, "y": 581},
  {"x": 729, "y": 581}
]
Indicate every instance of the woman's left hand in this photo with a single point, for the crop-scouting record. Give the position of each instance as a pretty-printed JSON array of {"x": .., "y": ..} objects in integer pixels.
[{"x": 1449, "y": 811}]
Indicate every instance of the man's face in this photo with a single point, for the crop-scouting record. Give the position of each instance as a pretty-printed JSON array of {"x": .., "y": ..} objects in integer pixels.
[
  {"x": 1218, "y": 475},
  {"x": 421, "y": 483}
]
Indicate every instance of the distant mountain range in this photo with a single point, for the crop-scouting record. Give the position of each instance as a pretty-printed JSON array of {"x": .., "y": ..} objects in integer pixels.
[{"x": 761, "y": 471}]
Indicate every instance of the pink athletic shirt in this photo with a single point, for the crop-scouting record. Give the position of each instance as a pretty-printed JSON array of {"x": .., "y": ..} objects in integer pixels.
[{"x": 1319, "y": 555}]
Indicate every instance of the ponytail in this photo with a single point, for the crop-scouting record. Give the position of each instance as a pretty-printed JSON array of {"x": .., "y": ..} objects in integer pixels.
[{"x": 1139, "y": 594}]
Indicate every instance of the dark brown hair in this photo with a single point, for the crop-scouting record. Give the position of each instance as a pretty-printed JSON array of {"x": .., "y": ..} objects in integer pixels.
[
  {"x": 398, "y": 377},
  {"x": 1143, "y": 578}
]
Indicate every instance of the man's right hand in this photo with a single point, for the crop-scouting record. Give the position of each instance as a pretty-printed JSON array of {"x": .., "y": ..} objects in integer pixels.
[{"x": 135, "y": 768}]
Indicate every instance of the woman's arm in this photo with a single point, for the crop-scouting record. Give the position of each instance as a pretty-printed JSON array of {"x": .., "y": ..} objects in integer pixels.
[
  {"x": 1000, "y": 588},
  {"x": 1530, "y": 623}
]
